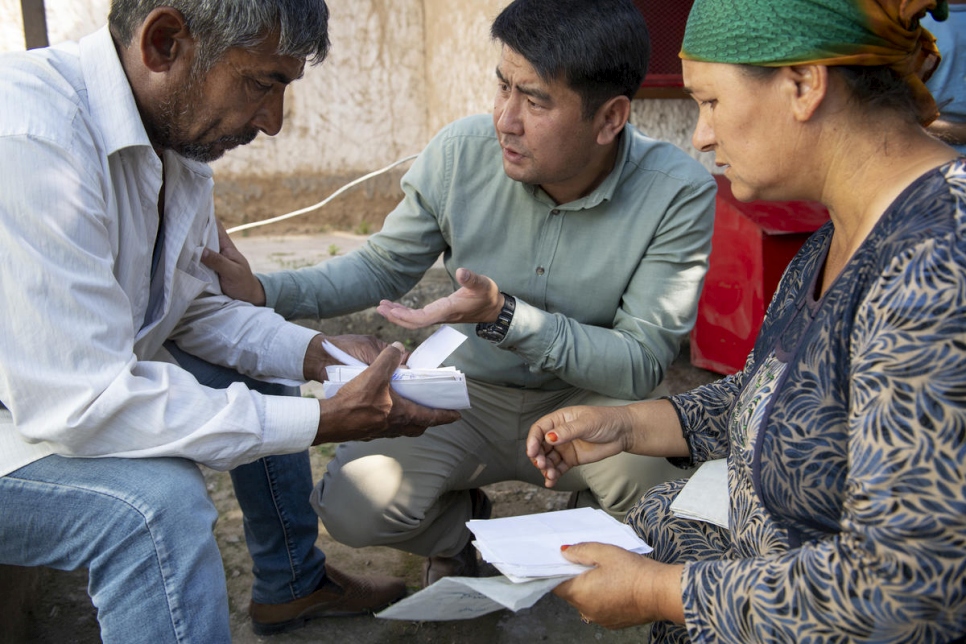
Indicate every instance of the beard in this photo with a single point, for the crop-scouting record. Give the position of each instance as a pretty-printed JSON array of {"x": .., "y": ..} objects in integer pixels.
[
  {"x": 167, "y": 127},
  {"x": 207, "y": 152}
]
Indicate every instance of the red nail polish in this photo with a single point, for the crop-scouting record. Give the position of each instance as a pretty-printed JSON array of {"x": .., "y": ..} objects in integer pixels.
[
  {"x": 562, "y": 548},
  {"x": 552, "y": 437}
]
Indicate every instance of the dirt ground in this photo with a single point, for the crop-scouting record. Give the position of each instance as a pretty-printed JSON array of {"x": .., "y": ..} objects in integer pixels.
[
  {"x": 360, "y": 209},
  {"x": 65, "y": 614}
]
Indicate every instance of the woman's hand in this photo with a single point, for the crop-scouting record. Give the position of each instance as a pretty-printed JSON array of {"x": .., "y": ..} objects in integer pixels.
[
  {"x": 623, "y": 589},
  {"x": 575, "y": 436}
]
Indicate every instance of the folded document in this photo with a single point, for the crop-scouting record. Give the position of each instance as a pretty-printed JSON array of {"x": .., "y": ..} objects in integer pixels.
[
  {"x": 705, "y": 497},
  {"x": 526, "y": 549},
  {"x": 423, "y": 382}
]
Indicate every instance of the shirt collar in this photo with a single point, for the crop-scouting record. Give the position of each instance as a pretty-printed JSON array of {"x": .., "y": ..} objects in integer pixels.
[
  {"x": 111, "y": 99},
  {"x": 109, "y": 94}
]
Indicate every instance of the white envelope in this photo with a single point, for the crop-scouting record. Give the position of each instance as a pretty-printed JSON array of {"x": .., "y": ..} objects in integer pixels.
[
  {"x": 705, "y": 496},
  {"x": 424, "y": 382}
]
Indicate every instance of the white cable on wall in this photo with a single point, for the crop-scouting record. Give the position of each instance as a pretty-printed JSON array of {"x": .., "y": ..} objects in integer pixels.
[{"x": 324, "y": 201}]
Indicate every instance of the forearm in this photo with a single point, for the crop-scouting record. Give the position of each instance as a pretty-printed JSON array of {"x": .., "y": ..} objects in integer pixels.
[
  {"x": 606, "y": 361},
  {"x": 253, "y": 340},
  {"x": 655, "y": 430},
  {"x": 663, "y": 588},
  {"x": 389, "y": 265},
  {"x": 334, "y": 287}
]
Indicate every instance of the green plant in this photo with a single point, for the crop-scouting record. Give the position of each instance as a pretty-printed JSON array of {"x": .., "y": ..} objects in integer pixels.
[
  {"x": 362, "y": 228},
  {"x": 333, "y": 250},
  {"x": 290, "y": 264}
]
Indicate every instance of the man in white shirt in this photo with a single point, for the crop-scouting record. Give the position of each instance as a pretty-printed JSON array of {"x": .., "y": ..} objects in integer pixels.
[{"x": 105, "y": 209}]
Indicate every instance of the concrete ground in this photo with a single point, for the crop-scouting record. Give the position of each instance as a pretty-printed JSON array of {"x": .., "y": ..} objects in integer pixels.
[{"x": 59, "y": 610}]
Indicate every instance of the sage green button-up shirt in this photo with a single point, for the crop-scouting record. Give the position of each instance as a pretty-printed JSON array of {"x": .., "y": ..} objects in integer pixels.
[{"x": 606, "y": 286}]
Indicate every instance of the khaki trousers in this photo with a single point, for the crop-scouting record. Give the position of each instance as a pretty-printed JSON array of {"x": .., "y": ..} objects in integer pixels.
[{"x": 411, "y": 493}]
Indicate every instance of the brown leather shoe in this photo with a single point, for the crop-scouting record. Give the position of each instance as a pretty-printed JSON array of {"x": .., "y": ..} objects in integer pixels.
[
  {"x": 464, "y": 563},
  {"x": 339, "y": 594}
]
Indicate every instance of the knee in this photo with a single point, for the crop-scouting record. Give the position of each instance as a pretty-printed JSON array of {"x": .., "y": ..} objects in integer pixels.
[
  {"x": 170, "y": 497},
  {"x": 653, "y": 510},
  {"x": 163, "y": 512},
  {"x": 362, "y": 503}
]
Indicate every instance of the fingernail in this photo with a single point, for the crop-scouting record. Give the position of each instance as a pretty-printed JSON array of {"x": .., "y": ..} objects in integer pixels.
[
  {"x": 562, "y": 548},
  {"x": 399, "y": 345},
  {"x": 552, "y": 437}
]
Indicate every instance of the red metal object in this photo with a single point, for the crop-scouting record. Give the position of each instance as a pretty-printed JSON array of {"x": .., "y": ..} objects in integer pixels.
[{"x": 750, "y": 248}]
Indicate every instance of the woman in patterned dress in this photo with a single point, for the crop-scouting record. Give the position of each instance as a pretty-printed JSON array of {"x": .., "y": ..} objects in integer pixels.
[{"x": 845, "y": 433}]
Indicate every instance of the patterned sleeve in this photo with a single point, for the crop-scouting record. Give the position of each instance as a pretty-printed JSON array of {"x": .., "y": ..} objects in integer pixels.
[
  {"x": 896, "y": 571},
  {"x": 703, "y": 413}
]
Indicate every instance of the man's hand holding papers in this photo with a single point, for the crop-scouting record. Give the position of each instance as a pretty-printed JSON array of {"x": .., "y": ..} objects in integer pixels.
[{"x": 422, "y": 381}]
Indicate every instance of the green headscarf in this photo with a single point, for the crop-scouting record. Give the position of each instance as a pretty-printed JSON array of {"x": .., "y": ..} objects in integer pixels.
[{"x": 776, "y": 33}]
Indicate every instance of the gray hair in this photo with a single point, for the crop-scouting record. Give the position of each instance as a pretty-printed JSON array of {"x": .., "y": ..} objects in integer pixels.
[{"x": 219, "y": 25}]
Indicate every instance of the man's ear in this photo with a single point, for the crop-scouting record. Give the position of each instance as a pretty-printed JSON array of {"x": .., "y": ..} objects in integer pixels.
[
  {"x": 164, "y": 38},
  {"x": 611, "y": 118},
  {"x": 808, "y": 87}
]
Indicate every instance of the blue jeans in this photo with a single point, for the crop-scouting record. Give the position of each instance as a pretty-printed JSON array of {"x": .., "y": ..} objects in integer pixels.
[{"x": 143, "y": 528}]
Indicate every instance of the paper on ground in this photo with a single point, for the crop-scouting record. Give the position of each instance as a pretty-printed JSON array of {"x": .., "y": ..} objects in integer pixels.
[
  {"x": 528, "y": 547},
  {"x": 424, "y": 382},
  {"x": 705, "y": 496},
  {"x": 453, "y": 598}
]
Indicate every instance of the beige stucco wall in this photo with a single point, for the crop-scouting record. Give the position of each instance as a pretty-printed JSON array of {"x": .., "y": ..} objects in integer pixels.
[{"x": 398, "y": 71}]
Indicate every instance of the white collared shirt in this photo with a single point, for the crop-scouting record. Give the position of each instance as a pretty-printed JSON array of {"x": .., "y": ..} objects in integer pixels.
[{"x": 82, "y": 367}]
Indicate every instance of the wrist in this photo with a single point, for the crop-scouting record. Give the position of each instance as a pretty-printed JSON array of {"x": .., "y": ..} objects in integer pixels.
[
  {"x": 496, "y": 331},
  {"x": 316, "y": 359},
  {"x": 258, "y": 292}
]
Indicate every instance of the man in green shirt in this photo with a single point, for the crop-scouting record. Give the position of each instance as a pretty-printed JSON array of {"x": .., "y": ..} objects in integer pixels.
[{"x": 577, "y": 246}]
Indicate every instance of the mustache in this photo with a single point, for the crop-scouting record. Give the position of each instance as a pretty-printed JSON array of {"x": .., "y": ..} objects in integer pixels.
[
  {"x": 235, "y": 140},
  {"x": 207, "y": 152}
]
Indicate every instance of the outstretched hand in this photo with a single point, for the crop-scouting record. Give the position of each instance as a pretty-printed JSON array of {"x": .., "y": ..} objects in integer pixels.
[
  {"x": 234, "y": 273},
  {"x": 575, "y": 436},
  {"x": 366, "y": 407},
  {"x": 623, "y": 588},
  {"x": 477, "y": 300}
]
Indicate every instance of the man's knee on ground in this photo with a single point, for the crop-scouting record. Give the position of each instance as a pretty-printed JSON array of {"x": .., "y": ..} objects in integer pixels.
[{"x": 363, "y": 502}]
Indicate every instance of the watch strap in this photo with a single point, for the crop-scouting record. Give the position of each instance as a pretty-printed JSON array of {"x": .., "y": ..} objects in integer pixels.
[{"x": 496, "y": 331}]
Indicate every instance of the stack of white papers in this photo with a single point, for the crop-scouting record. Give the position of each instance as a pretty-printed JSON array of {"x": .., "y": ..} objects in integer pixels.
[
  {"x": 526, "y": 550},
  {"x": 528, "y": 547},
  {"x": 705, "y": 497},
  {"x": 423, "y": 381}
]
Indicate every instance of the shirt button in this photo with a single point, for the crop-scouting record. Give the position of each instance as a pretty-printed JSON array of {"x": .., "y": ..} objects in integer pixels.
[
  {"x": 540, "y": 270},
  {"x": 554, "y": 212}
]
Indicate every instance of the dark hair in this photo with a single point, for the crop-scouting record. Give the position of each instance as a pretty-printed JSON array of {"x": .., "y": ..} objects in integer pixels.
[
  {"x": 873, "y": 87},
  {"x": 599, "y": 47},
  {"x": 219, "y": 25},
  {"x": 879, "y": 88}
]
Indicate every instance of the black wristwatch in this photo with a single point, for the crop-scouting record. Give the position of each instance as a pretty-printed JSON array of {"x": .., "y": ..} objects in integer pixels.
[{"x": 496, "y": 331}]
